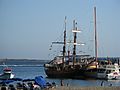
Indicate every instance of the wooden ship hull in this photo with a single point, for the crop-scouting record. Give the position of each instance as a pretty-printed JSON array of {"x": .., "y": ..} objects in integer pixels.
[
  {"x": 72, "y": 74},
  {"x": 60, "y": 73}
]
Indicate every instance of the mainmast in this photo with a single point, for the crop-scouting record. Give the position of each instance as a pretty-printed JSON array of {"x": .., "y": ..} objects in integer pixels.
[
  {"x": 75, "y": 30},
  {"x": 95, "y": 30},
  {"x": 75, "y": 37}
]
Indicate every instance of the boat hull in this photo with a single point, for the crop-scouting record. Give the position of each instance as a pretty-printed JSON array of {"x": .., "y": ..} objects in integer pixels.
[
  {"x": 59, "y": 74},
  {"x": 6, "y": 76},
  {"x": 68, "y": 73},
  {"x": 103, "y": 73}
]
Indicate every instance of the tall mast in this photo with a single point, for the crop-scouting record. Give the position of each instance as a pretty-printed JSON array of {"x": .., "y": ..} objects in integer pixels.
[
  {"x": 95, "y": 30},
  {"x": 74, "y": 48},
  {"x": 64, "y": 46}
]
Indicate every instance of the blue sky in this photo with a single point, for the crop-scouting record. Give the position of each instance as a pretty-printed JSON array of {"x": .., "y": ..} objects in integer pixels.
[{"x": 27, "y": 27}]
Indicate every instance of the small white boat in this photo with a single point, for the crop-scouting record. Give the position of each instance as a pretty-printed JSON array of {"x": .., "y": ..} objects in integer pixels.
[
  {"x": 109, "y": 72},
  {"x": 7, "y": 74}
]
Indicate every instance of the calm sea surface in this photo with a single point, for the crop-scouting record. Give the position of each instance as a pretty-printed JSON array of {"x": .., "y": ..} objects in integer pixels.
[{"x": 29, "y": 69}]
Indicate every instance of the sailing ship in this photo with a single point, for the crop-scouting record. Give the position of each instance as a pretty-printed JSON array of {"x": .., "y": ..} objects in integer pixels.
[{"x": 66, "y": 66}]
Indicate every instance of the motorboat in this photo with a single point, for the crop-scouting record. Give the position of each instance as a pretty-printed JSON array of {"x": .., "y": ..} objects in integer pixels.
[{"x": 7, "y": 74}]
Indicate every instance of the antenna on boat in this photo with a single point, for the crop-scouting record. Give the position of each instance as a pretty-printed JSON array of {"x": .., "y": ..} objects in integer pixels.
[{"x": 95, "y": 30}]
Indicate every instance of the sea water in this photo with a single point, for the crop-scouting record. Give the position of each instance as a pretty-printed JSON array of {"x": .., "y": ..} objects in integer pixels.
[{"x": 29, "y": 69}]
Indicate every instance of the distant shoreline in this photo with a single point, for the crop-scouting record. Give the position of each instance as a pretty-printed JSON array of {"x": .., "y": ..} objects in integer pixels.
[
  {"x": 24, "y": 59},
  {"x": 22, "y": 62}
]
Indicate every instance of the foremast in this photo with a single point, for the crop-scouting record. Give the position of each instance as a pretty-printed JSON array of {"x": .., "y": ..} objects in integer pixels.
[{"x": 64, "y": 46}]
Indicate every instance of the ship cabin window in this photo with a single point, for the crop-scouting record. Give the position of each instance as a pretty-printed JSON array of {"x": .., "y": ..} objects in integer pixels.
[
  {"x": 108, "y": 71},
  {"x": 91, "y": 70},
  {"x": 113, "y": 70},
  {"x": 101, "y": 70}
]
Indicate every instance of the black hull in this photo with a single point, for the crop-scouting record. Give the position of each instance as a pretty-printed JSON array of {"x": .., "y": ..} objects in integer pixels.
[{"x": 72, "y": 74}]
